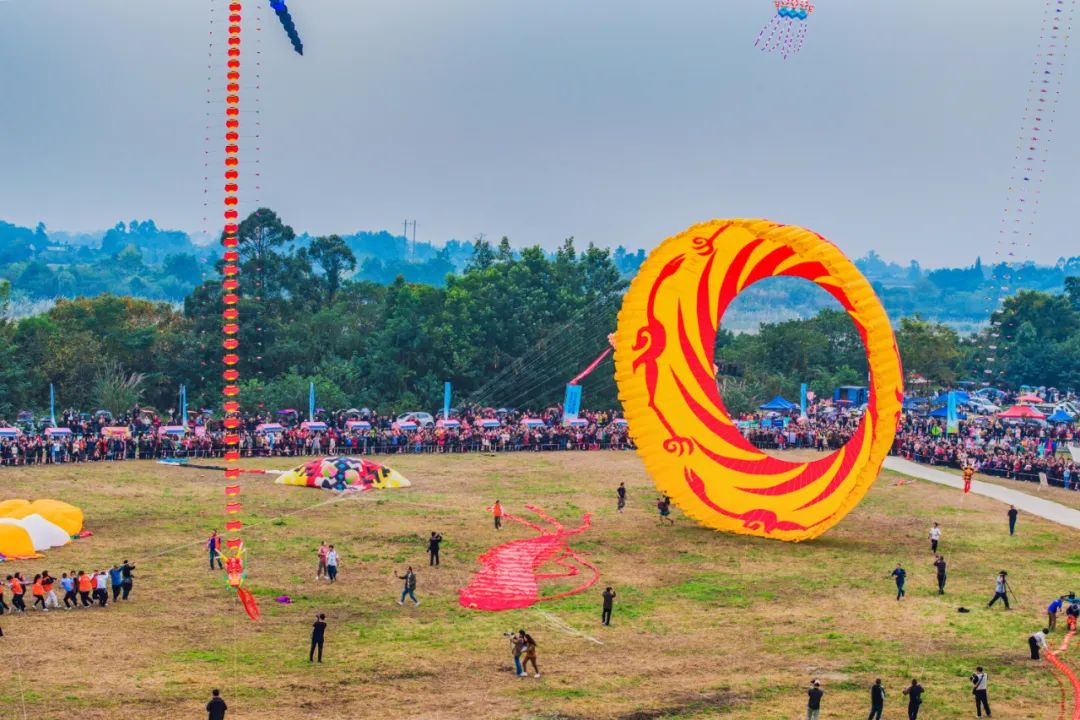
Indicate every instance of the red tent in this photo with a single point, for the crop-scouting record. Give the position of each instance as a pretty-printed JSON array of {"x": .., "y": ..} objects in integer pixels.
[
  {"x": 1022, "y": 411},
  {"x": 1029, "y": 398}
]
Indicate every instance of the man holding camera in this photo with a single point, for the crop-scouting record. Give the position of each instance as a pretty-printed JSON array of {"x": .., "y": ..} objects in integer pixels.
[{"x": 978, "y": 680}]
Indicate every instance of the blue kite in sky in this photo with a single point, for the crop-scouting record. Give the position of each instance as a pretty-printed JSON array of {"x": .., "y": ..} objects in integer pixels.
[{"x": 288, "y": 24}]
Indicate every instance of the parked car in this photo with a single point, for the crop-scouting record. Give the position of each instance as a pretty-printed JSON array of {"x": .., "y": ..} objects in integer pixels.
[
  {"x": 982, "y": 406},
  {"x": 422, "y": 419}
]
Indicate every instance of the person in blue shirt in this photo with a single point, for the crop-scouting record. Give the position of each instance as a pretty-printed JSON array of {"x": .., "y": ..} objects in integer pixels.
[
  {"x": 116, "y": 579},
  {"x": 68, "y": 583},
  {"x": 900, "y": 575},
  {"x": 1052, "y": 611}
]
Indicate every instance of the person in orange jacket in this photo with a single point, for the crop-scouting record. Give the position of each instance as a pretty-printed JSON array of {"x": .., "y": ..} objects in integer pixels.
[
  {"x": 85, "y": 586},
  {"x": 497, "y": 511},
  {"x": 17, "y": 591},
  {"x": 38, "y": 592}
]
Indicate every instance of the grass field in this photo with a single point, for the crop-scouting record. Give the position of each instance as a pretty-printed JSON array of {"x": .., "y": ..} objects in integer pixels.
[{"x": 705, "y": 625}]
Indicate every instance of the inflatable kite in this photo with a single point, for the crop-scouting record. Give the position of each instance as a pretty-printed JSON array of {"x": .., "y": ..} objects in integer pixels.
[
  {"x": 27, "y": 528},
  {"x": 288, "y": 24},
  {"x": 509, "y": 579},
  {"x": 786, "y": 31},
  {"x": 667, "y": 382},
  {"x": 343, "y": 473}
]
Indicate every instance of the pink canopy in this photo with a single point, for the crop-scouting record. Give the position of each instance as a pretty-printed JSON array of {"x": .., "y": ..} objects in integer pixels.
[
  {"x": 1022, "y": 411},
  {"x": 1029, "y": 398}
]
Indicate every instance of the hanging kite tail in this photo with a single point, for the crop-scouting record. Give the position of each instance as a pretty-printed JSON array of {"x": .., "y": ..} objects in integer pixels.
[
  {"x": 591, "y": 367},
  {"x": 251, "y": 607}
]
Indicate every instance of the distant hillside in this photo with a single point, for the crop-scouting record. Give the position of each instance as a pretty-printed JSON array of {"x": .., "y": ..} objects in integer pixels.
[{"x": 138, "y": 258}]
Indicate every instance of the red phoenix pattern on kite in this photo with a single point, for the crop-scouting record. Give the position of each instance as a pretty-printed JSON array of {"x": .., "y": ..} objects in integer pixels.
[{"x": 509, "y": 579}]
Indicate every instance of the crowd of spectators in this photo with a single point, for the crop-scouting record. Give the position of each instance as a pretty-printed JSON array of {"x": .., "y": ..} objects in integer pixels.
[
  {"x": 145, "y": 435},
  {"x": 1019, "y": 451}
]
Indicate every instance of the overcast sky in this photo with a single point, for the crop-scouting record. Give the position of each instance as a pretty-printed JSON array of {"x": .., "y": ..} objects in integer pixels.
[{"x": 616, "y": 121}]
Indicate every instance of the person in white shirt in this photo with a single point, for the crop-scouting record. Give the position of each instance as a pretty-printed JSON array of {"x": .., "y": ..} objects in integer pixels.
[
  {"x": 935, "y": 535},
  {"x": 331, "y": 564},
  {"x": 101, "y": 584},
  {"x": 1037, "y": 641},
  {"x": 978, "y": 679}
]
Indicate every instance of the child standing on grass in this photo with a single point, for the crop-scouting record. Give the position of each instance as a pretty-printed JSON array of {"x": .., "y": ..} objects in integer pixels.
[
  {"x": 497, "y": 511},
  {"x": 621, "y": 492},
  {"x": 935, "y": 537},
  {"x": 939, "y": 565}
]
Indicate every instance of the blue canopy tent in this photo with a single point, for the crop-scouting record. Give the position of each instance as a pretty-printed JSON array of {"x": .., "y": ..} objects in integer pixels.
[
  {"x": 778, "y": 404},
  {"x": 943, "y": 412},
  {"x": 962, "y": 398},
  {"x": 1060, "y": 416}
]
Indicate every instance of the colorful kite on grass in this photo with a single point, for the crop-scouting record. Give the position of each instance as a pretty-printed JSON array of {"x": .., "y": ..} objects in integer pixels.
[{"x": 343, "y": 473}]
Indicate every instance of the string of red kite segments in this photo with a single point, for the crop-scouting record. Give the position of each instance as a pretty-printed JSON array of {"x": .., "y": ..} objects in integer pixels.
[
  {"x": 1067, "y": 672},
  {"x": 1029, "y": 165},
  {"x": 235, "y": 570}
]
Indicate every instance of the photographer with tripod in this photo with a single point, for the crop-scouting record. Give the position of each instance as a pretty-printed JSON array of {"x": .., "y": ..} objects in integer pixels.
[{"x": 1001, "y": 591}]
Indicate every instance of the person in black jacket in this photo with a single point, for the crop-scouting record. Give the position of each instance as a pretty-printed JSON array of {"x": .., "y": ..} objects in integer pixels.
[
  {"x": 215, "y": 709},
  {"x": 877, "y": 700},
  {"x": 914, "y": 693},
  {"x": 939, "y": 565},
  {"x": 813, "y": 702},
  {"x": 609, "y": 602},
  {"x": 318, "y": 634},
  {"x": 433, "y": 547},
  {"x": 128, "y": 578}
]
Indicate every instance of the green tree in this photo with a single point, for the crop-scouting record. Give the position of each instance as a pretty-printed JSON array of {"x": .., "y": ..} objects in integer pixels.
[{"x": 929, "y": 349}]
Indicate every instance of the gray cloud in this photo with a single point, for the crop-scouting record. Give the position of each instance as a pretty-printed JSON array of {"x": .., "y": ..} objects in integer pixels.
[{"x": 614, "y": 121}]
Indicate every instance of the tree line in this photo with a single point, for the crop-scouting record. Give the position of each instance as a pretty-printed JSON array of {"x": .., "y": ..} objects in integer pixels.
[{"x": 509, "y": 329}]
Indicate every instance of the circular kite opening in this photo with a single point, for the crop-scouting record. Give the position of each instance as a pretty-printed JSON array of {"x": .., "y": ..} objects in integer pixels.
[
  {"x": 690, "y": 444},
  {"x": 776, "y": 335}
]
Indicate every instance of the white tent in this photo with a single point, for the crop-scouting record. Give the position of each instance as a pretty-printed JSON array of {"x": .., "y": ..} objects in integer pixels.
[{"x": 43, "y": 534}]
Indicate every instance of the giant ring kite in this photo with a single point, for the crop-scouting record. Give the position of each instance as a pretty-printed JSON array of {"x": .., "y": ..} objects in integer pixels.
[{"x": 667, "y": 381}]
